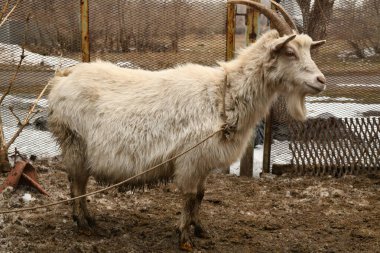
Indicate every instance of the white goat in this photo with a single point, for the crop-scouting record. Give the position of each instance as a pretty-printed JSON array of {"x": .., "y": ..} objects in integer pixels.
[{"x": 113, "y": 123}]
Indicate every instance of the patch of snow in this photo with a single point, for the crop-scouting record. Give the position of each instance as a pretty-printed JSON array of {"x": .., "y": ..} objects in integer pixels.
[
  {"x": 346, "y": 54},
  {"x": 340, "y": 110},
  {"x": 367, "y": 52},
  {"x": 27, "y": 197},
  {"x": 23, "y": 102},
  {"x": 371, "y": 85},
  {"x": 10, "y": 54},
  {"x": 281, "y": 153},
  {"x": 257, "y": 163},
  {"x": 33, "y": 142},
  {"x": 127, "y": 64},
  {"x": 312, "y": 99}
]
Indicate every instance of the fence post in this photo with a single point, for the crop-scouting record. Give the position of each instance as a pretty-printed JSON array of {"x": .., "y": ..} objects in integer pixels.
[
  {"x": 230, "y": 42},
  {"x": 267, "y": 143},
  {"x": 268, "y": 133},
  {"x": 246, "y": 162},
  {"x": 85, "y": 40}
]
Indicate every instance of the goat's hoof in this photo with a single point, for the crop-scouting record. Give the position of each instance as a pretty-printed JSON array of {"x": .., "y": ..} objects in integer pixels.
[
  {"x": 201, "y": 233},
  {"x": 85, "y": 230},
  {"x": 84, "y": 223},
  {"x": 91, "y": 221},
  {"x": 186, "y": 246}
]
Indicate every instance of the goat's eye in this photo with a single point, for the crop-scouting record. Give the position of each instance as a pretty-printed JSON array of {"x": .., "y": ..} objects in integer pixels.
[{"x": 290, "y": 53}]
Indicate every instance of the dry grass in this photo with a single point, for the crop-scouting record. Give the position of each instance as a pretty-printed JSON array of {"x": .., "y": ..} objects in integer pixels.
[{"x": 329, "y": 62}]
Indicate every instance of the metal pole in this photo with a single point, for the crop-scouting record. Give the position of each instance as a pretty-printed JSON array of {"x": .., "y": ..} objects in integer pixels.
[{"x": 85, "y": 39}]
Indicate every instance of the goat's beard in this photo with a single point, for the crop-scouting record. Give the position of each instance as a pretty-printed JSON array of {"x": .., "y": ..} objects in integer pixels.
[{"x": 296, "y": 106}]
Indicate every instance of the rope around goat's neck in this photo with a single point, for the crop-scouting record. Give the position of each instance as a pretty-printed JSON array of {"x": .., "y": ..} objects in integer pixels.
[
  {"x": 114, "y": 185},
  {"x": 224, "y": 91}
]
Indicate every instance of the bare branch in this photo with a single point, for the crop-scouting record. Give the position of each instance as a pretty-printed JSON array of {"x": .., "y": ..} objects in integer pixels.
[
  {"x": 13, "y": 79},
  {"x": 28, "y": 117},
  {"x": 2, "y": 138},
  {"x": 10, "y": 85},
  {"x": 18, "y": 119},
  {"x": 22, "y": 56},
  {"x": 4, "y": 10},
  {"x": 10, "y": 12},
  {"x": 3, "y": 144}
]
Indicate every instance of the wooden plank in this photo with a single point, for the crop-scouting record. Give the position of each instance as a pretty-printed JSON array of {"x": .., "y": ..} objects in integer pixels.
[{"x": 230, "y": 39}]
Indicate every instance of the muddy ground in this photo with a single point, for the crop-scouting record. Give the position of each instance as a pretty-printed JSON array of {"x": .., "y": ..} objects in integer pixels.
[{"x": 282, "y": 214}]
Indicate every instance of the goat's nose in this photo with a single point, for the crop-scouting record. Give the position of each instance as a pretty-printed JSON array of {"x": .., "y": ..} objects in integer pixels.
[{"x": 321, "y": 79}]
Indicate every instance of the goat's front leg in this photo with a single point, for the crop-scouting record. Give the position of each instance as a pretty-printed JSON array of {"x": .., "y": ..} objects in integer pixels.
[{"x": 199, "y": 230}]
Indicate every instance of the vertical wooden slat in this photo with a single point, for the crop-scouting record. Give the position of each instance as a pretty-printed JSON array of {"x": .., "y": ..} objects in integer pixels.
[
  {"x": 85, "y": 40},
  {"x": 252, "y": 25},
  {"x": 267, "y": 143},
  {"x": 230, "y": 40}
]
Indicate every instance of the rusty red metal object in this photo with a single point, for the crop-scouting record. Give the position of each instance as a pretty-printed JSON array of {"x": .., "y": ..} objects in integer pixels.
[{"x": 22, "y": 173}]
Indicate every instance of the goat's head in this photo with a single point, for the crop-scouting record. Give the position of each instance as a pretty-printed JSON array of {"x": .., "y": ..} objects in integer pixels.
[
  {"x": 294, "y": 72},
  {"x": 291, "y": 65}
]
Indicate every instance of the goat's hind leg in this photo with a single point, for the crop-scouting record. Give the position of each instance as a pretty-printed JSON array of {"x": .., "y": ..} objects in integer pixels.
[
  {"x": 81, "y": 215},
  {"x": 74, "y": 159},
  {"x": 78, "y": 175}
]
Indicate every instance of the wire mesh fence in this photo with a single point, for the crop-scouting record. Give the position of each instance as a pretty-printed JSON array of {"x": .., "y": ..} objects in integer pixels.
[
  {"x": 154, "y": 35},
  {"x": 144, "y": 34},
  {"x": 35, "y": 39},
  {"x": 157, "y": 34}
]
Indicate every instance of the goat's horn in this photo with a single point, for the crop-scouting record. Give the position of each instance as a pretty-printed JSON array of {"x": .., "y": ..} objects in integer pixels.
[
  {"x": 289, "y": 20},
  {"x": 278, "y": 23}
]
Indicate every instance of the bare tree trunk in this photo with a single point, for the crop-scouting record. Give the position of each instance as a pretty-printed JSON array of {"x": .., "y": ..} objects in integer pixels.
[
  {"x": 4, "y": 161},
  {"x": 316, "y": 17}
]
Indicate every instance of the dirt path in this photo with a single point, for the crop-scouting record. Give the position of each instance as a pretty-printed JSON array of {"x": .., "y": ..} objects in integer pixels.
[{"x": 282, "y": 214}]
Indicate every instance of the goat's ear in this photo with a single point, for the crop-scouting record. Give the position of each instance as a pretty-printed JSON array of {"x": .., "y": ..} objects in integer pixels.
[
  {"x": 316, "y": 44},
  {"x": 278, "y": 44}
]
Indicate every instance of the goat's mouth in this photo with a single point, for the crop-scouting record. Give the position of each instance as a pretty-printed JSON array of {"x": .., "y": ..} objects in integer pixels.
[{"x": 316, "y": 88}]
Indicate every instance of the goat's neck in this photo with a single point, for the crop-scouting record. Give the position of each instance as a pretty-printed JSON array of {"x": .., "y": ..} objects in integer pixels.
[{"x": 249, "y": 97}]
